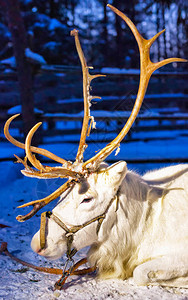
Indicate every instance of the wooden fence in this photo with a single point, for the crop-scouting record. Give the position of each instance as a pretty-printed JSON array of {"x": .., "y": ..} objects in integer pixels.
[{"x": 147, "y": 121}]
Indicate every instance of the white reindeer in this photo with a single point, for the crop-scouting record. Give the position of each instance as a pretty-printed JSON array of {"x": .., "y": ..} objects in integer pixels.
[
  {"x": 144, "y": 232},
  {"x": 136, "y": 226}
]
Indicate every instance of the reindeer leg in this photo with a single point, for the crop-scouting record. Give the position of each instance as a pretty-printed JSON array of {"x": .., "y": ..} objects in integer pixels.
[{"x": 169, "y": 270}]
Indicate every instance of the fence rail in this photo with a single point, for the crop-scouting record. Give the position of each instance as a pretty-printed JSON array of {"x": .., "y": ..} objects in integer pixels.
[{"x": 178, "y": 121}]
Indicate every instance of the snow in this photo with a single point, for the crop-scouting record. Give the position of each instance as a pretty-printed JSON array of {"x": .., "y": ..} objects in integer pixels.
[
  {"x": 52, "y": 45},
  {"x": 149, "y": 144},
  {"x": 97, "y": 113},
  {"x": 4, "y": 32},
  {"x": 54, "y": 24},
  {"x": 11, "y": 62},
  {"x": 166, "y": 95},
  {"x": 34, "y": 58},
  {"x": 108, "y": 98},
  {"x": 27, "y": 2},
  {"x": 18, "y": 110},
  {"x": 30, "y": 55},
  {"x": 169, "y": 113},
  {"x": 139, "y": 150},
  {"x": 44, "y": 21},
  {"x": 153, "y": 146},
  {"x": 7, "y": 151},
  {"x": 107, "y": 70}
]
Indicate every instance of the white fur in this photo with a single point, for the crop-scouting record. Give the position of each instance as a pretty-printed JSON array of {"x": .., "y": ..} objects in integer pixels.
[{"x": 145, "y": 232}]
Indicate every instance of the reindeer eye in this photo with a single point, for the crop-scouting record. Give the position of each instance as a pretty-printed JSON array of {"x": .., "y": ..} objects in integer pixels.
[{"x": 87, "y": 200}]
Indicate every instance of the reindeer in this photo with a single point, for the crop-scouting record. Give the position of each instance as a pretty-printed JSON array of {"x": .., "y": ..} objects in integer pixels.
[{"x": 135, "y": 226}]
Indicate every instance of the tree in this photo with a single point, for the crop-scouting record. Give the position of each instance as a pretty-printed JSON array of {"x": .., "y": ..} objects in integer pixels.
[
  {"x": 18, "y": 33},
  {"x": 123, "y": 33}
]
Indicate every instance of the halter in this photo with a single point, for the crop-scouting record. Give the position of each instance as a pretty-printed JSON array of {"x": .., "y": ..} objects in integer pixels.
[{"x": 70, "y": 232}]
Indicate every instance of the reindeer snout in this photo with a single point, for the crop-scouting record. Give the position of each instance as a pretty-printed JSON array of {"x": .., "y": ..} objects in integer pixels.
[{"x": 35, "y": 244}]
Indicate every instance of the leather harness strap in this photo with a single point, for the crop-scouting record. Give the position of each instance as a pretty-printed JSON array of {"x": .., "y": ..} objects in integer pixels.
[{"x": 69, "y": 232}]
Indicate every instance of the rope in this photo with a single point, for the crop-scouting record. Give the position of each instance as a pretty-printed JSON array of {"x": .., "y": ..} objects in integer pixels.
[{"x": 65, "y": 274}]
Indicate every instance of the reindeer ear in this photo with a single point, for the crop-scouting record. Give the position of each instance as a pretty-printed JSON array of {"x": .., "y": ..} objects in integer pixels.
[{"x": 116, "y": 173}]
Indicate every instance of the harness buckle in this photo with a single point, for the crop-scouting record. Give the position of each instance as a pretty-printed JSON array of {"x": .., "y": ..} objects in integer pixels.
[{"x": 69, "y": 234}]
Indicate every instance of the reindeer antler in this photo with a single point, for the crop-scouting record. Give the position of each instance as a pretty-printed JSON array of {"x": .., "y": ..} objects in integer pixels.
[
  {"x": 45, "y": 171},
  {"x": 38, "y": 204},
  {"x": 42, "y": 172},
  {"x": 87, "y": 78},
  {"x": 146, "y": 69},
  {"x": 69, "y": 170},
  {"x": 41, "y": 151}
]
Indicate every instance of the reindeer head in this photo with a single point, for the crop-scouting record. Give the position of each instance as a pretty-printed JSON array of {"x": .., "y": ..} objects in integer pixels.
[
  {"x": 80, "y": 212},
  {"x": 91, "y": 187}
]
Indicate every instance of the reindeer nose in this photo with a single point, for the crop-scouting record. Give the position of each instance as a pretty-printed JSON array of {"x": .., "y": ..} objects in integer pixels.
[{"x": 35, "y": 243}]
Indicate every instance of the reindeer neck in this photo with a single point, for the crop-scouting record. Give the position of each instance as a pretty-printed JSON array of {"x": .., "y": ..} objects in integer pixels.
[{"x": 121, "y": 230}]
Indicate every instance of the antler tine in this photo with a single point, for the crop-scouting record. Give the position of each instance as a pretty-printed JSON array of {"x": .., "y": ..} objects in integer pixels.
[
  {"x": 41, "y": 151},
  {"x": 51, "y": 172},
  {"x": 44, "y": 171},
  {"x": 146, "y": 69},
  {"x": 87, "y": 78},
  {"x": 35, "y": 162},
  {"x": 38, "y": 204}
]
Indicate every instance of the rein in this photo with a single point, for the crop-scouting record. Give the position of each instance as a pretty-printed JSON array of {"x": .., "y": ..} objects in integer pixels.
[{"x": 65, "y": 273}]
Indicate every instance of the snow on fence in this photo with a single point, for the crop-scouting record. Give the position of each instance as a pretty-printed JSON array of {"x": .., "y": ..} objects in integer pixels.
[{"x": 157, "y": 136}]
